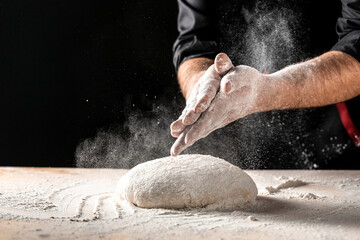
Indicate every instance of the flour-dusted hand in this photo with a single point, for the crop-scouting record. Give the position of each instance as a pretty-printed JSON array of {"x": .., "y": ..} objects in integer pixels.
[
  {"x": 241, "y": 94},
  {"x": 202, "y": 94}
]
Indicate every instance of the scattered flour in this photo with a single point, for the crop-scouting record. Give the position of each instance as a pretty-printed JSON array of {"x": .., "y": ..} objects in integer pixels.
[
  {"x": 251, "y": 218},
  {"x": 309, "y": 196},
  {"x": 82, "y": 204},
  {"x": 287, "y": 184}
]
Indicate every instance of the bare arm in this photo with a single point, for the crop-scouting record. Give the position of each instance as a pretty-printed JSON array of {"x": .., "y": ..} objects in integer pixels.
[
  {"x": 190, "y": 72},
  {"x": 330, "y": 78}
]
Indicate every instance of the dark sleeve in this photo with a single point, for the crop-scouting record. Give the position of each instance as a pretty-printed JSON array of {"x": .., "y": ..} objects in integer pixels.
[
  {"x": 196, "y": 37},
  {"x": 348, "y": 29}
]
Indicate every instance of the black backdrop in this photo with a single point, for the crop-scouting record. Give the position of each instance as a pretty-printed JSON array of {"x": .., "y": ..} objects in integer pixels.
[{"x": 69, "y": 68}]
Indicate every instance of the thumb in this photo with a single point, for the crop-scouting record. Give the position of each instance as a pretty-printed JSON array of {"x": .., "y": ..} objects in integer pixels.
[{"x": 223, "y": 63}]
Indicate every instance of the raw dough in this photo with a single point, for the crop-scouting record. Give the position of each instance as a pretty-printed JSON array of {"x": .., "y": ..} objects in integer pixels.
[{"x": 187, "y": 181}]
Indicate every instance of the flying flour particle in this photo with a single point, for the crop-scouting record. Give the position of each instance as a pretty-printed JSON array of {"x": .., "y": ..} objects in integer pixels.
[{"x": 187, "y": 181}]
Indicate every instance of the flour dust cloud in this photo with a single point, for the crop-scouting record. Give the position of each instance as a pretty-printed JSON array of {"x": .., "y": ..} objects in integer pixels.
[
  {"x": 144, "y": 136},
  {"x": 268, "y": 38}
]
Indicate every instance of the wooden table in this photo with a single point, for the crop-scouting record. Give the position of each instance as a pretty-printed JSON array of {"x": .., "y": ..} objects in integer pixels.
[{"x": 61, "y": 203}]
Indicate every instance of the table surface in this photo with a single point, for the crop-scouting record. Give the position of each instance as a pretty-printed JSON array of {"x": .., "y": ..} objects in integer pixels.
[{"x": 65, "y": 203}]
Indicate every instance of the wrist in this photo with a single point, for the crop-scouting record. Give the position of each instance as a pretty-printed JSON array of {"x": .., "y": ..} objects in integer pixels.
[
  {"x": 288, "y": 87},
  {"x": 189, "y": 73},
  {"x": 265, "y": 93}
]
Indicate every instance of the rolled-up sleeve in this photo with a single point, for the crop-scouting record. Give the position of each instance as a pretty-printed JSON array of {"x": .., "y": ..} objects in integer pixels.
[
  {"x": 348, "y": 29},
  {"x": 196, "y": 33}
]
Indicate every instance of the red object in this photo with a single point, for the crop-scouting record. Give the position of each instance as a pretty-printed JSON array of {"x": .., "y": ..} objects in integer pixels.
[{"x": 348, "y": 123}]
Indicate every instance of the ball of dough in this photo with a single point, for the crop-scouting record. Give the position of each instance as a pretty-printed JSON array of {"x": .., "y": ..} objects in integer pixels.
[{"x": 187, "y": 181}]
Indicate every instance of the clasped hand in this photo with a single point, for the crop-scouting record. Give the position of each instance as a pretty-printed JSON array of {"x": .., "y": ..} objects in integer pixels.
[{"x": 222, "y": 95}]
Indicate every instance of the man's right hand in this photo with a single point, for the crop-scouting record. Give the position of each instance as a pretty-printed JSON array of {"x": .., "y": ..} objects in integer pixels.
[{"x": 202, "y": 94}]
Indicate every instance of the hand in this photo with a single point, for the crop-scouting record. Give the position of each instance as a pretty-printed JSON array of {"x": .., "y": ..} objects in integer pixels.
[
  {"x": 240, "y": 93},
  {"x": 202, "y": 94}
]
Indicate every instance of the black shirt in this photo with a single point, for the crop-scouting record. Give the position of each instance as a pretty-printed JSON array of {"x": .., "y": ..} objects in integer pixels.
[
  {"x": 270, "y": 35},
  {"x": 198, "y": 20}
]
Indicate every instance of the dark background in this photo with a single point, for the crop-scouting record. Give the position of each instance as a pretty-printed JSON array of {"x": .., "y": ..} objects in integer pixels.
[
  {"x": 101, "y": 73},
  {"x": 69, "y": 68}
]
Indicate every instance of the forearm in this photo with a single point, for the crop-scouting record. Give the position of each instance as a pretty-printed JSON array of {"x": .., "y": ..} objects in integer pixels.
[
  {"x": 190, "y": 72},
  {"x": 328, "y": 79}
]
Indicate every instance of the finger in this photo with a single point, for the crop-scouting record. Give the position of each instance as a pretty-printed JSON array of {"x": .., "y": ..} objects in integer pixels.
[
  {"x": 177, "y": 126},
  {"x": 179, "y": 145},
  {"x": 223, "y": 63},
  {"x": 226, "y": 86},
  {"x": 175, "y": 134},
  {"x": 207, "y": 92},
  {"x": 196, "y": 132},
  {"x": 202, "y": 104},
  {"x": 191, "y": 117},
  {"x": 210, "y": 120},
  {"x": 229, "y": 83}
]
